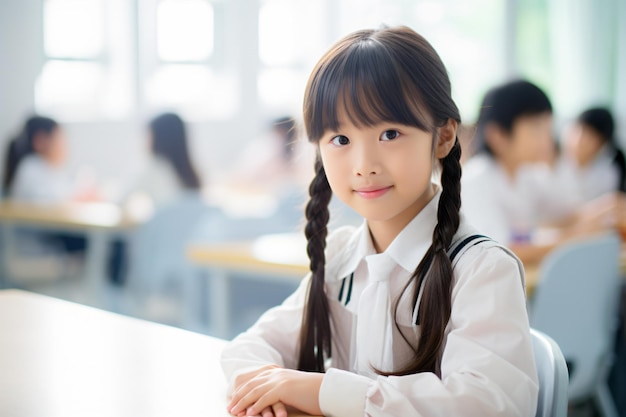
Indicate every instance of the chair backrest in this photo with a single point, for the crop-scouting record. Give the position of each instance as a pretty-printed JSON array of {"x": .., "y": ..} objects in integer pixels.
[
  {"x": 157, "y": 251},
  {"x": 576, "y": 303},
  {"x": 553, "y": 376}
]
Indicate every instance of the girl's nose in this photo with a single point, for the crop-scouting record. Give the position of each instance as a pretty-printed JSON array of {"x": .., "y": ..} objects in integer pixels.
[{"x": 366, "y": 161}]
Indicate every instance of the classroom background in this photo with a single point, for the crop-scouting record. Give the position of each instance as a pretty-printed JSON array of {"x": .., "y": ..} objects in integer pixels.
[
  {"x": 230, "y": 245},
  {"x": 228, "y": 67}
]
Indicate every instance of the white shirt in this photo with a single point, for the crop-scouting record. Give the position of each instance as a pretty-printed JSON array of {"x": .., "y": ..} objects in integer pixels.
[
  {"x": 159, "y": 181},
  {"x": 487, "y": 366},
  {"x": 38, "y": 181},
  {"x": 510, "y": 210},
  {"x": 599, "y": 177}
]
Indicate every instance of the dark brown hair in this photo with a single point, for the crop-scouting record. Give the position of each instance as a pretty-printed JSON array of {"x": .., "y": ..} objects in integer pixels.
[
  {"x": 391, "y": 75},
  {"x": 601, "y": 121},
  {"x": 23, "y": 145},
  {"x": 169, "y": 141}
]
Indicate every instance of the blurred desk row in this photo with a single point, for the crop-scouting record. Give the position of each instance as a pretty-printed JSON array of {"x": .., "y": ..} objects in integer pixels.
[
  {"x": 101, "y": 224},
  {"x": 98, "y": 222},
  {"x": 269, "y": 258},
  {"x": 279, "y": 257}
]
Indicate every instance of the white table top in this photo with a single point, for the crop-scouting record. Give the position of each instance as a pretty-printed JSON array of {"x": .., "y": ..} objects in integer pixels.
[{"x": 63, "y": 359}]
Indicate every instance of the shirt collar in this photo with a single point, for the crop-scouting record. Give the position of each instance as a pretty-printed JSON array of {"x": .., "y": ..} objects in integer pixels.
[
  {"x": 407, "y": 249},
  {"x": 411, "y": 244},
  {"x": 358, "y": 247}
]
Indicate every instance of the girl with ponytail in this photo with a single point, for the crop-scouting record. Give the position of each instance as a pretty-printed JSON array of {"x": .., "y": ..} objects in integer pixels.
[
  {"x": 597, "y": 155},
  {"x": 413, "y": 312}
]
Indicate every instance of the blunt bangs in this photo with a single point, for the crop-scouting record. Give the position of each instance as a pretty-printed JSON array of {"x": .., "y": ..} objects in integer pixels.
[{"x": 365, "y": 81}]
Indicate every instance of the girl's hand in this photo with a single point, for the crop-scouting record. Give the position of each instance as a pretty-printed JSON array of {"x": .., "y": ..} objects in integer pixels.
[
  {"x": 599, "y": 215},
  {"x": 272, "y": 388},
  {"x": 276, "y": 410},
  {"x": 247, "y": 376}
]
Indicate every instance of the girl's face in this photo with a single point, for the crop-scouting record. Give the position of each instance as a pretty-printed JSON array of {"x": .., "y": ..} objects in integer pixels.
[
  {"x": 51, "y": 146},
  {"x": 531, "y": 138},
  {"x": 582, "y": 144},
  {"x": 383, "y": 172}
]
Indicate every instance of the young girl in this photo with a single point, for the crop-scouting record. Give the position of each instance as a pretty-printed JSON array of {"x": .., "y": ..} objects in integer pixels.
[
  {"x": 35, "y": 164},
  {"x": 401, "y": 316},
  {"x": 35, "y": 172},
  {"x": 170, "y": 171},
  {"x": 592, "y": 146}
]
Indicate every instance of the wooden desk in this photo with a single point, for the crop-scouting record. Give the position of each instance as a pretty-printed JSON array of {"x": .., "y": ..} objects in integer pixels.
[
  {"x": 274, "y": 256},
  {"x": 78, "y": 216},
  {"x": 63, "y": 359},
  {"x": 279, "y": 257},
  {"x": 97, "y": 221},
  {"x": 280, "y": 254}
]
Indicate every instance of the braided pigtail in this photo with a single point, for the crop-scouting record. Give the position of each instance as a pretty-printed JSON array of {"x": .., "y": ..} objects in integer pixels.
[
  {"x": 437, "y": 296},
  {"x": 315, "y": 334}
]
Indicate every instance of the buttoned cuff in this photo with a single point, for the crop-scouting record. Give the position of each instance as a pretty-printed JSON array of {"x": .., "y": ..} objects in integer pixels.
[{"x": 343, "y": 393}]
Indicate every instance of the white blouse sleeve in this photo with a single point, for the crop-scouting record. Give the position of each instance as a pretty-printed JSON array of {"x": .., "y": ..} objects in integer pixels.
[
  {"x": 273, "y": 339},
  {"x": 487, "y": 365}
]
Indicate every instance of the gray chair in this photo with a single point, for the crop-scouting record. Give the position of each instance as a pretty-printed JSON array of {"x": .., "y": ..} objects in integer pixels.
[
  {"x": 553, "y": 377},
  {"x": 163, "y": 284},
  {"x": 576, "y": 303}
]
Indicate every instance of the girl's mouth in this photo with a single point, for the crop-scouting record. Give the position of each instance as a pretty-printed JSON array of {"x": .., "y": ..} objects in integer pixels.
[{"x": 372, "y": 192}]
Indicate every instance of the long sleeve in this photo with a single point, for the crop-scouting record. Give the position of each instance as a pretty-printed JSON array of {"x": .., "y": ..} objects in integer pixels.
[
  {"x": 273, "y": 339},
  {"x": 487, "y": 365}
]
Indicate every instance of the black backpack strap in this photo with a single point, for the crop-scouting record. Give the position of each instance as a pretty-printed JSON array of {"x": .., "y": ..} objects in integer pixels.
[
  {"x": 470, "y": 240},
  {"x": 349, "y": 278},
  {"x": 453, "y": 252}
]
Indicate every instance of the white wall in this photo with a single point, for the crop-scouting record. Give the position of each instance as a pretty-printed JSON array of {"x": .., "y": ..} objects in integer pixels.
[{"x": 20, "y": 59}]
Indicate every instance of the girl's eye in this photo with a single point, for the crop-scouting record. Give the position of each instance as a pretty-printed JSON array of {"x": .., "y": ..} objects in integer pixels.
[
  {"x": 340, "y": 140},
  {"x": 389, "y": 135}
]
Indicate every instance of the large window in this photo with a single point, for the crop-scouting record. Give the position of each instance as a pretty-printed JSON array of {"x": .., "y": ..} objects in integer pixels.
[
  {"x": 185, "y": 74},
  {"x": 292, "y": 35},
  {"x": 87, "y": 72},
  {"x": 110, "y": 58}
]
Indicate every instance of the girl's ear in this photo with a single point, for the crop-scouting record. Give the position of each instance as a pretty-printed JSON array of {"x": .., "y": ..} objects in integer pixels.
[{"x": 446, "y": 137}]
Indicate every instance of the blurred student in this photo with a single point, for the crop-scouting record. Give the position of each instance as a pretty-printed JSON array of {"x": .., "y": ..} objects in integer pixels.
[
  {"x": 168, "y": 175},
  {"x": 35, "y": 172},
  {"x": 274, "y": 162},
  {"x": 509, "y": 188},
  {"x": 598, "y": 160},
  {"x": 169, "y": 171},
  {"x": 35, "y": 165},
  {"x": 271, "y": 173}
]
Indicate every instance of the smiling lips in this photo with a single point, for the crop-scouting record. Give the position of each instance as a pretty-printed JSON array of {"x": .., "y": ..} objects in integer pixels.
[{"x": 372, "y": 192}]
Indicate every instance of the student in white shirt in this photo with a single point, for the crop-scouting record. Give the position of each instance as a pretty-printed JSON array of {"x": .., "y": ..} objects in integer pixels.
[
  {"x": 168, "y": 174},
  {"x": 386, "y": 324},
  {"x": 599, "y": 162},
  {"x": 510, "y": 189},
  {"x": 169, "y": 171},
  {"x": 35, "y": 172},
  {"x": 35, "y": 169}
]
